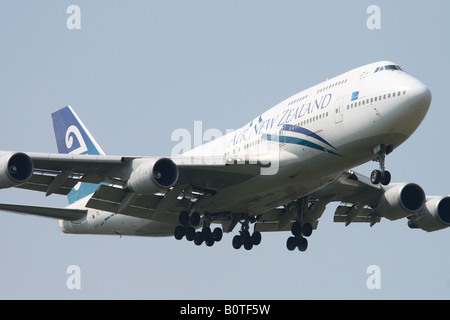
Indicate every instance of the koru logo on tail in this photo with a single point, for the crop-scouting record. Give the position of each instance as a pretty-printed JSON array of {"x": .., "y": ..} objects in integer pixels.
[{"x": 70, "y": 133}]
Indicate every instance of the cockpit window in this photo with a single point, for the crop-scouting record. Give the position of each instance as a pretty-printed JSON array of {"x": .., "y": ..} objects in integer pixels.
[{"x": 388, "y": 67}]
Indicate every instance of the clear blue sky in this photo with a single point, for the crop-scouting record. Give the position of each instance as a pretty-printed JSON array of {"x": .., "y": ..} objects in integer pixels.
[{"x": 138, "y": 70}]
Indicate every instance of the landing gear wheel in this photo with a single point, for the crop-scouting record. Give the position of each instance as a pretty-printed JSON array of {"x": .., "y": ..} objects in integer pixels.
[
  {"x": 217, "y": 234},
  {"x": 237, "y": 242},
  {"x": 206, "y": 231},
  {"x": 291, "y": 243},
  {"x": 256, "y": 238},
  {"x": 302, "y": 244},
  {"x": 386, "y": 178},
  {"x": 179, "y": 232},
  {"x": 209, "y": 242},
  {"x": 248, "y": 244},
  {"x": 245, "y": 236},
  {"x": 190, "y": 233},
  {"x": 296, "y": 229},
  {"x": 375, "y": 176},
  {"x": 307, "y": 229},
  {"x": 184, "y": 218},
  {"x": 198, "y": 238},
  {"x": 195, "y": 219}
]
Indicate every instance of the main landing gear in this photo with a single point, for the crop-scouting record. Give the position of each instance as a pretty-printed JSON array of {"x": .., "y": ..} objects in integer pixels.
[
  {"x": 298, "y": 240},
  {"x": 244, "y": 238},
  {"x": 381, "y": 176},
  {"x": 187, "y": 228},
  {"x": 299, "y": 229}
]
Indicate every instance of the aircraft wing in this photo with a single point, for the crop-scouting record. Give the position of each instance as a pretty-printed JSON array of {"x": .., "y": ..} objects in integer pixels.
[
  {"x": 49, "y": 212},
  {"x": 59, "y": 173},
  {"x": 360, "y": 201},
  {"x": 111, "y": 176},
  {"x": 358, "y": 197}
]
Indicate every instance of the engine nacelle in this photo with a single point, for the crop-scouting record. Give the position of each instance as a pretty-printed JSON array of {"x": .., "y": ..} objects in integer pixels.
[
  {"x": 153, "y": 176},
  {"x": 435, "y": 215},
  {"x": 400, "y": 200},
  {"x": 15, "y": 169}
]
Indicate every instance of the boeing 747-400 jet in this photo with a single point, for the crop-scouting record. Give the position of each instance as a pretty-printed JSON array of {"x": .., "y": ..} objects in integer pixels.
[{"x": 276, "y": 173}]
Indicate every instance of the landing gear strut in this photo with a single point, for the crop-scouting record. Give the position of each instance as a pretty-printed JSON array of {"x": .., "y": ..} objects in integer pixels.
[{"x": 381, "y": 176}]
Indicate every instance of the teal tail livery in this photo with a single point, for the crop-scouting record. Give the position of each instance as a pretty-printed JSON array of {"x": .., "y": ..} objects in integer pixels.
[{"x": 72, "y": 137}]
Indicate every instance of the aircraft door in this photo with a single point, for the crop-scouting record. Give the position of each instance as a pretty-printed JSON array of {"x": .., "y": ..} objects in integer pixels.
[{"x": 339, "y": 110}]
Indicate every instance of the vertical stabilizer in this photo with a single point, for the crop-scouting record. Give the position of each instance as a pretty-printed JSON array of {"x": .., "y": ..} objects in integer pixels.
[{"x": 72, "y": 137}]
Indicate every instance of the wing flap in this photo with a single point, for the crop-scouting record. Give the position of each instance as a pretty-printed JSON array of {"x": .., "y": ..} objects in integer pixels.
[
  {"x": 110, "y": 199},
  {"x": 349, "y": 214},
  {"x": 358, "y": 197}
]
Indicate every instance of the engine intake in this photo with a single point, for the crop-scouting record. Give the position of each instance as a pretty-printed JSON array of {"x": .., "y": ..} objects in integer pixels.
[
  {"x": 15, "y": 169},
  {"x": 153, "y": 176},
  {"x": 434, "y": 216},
  {"x": 401, "y": 200}
]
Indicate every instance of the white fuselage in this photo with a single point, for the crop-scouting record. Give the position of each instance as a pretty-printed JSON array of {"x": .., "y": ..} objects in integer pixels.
[{"x": 310, "y": 138}]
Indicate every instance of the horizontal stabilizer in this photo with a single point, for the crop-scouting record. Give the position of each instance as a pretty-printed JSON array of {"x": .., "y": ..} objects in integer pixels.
[{"x": 55, "y": 213}]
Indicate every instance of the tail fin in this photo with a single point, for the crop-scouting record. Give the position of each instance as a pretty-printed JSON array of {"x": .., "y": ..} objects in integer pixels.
[{"x": 73, "y": 137}]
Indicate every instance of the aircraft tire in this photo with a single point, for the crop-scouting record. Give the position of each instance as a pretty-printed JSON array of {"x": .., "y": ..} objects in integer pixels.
[
  {"x": 198, "y": 239},
  {"x": 195, "y": 219},
  {"x": 179, "y": 232},
  {"x": 184, "y": 218},
  {"x": 307, "y": 229},
  {"x": 386, "y": 178},
  {"x": 248, "y": 244},
  {"x": 256, "y": 238},
  {"x": 302, "y": 244},
  {"x": 296, "y": 229},
  {"x": 291, "y": 243},
  {"x": 375, "y": 176},
  {"x": 190, "y": 233},
  {"x": 217, "y": 234},
  {"x": 237, "y": 242}
]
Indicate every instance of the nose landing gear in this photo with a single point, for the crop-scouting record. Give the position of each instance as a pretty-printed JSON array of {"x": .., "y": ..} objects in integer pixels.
[{"x": 381, "y": 176}]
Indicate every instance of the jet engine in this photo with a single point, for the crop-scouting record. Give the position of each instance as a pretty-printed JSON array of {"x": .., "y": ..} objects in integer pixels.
[
  {"x": 434, "y": 216},
  {"x": 15, "y": 169},
  {"x": 400, "y": 200},
  {"x": 153, "y": 176}
]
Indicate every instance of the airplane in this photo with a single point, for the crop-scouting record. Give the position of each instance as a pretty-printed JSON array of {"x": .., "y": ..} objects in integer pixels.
[{"x": 278, "y": 172}]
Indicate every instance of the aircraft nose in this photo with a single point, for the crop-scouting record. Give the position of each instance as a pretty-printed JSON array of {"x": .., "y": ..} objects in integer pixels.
[{"x": 420, "y": 96}]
